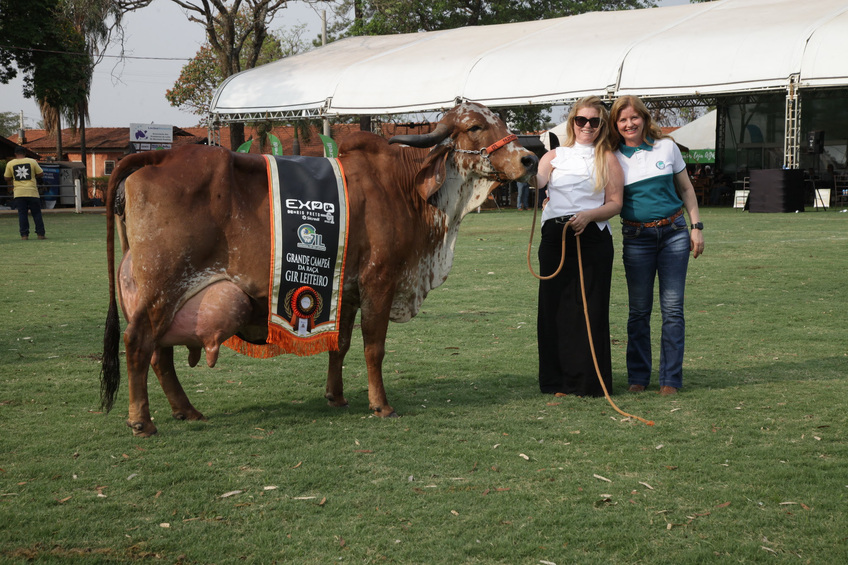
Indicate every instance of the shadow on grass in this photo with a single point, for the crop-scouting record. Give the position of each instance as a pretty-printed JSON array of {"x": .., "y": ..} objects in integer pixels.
[{"x": 775, "y": 371}]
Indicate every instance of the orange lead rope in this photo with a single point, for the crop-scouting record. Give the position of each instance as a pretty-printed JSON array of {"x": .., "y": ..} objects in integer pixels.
[{"x": 585, "y": 307}]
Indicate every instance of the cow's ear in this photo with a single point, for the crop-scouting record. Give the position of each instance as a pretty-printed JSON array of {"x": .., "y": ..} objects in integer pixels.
[{"x": 431, "y": 177}]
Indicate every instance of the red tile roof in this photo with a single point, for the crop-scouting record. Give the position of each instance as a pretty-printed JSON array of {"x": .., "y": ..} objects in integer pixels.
[
  {"x": 96, "y": 139},
  {"x": 117, "y": 140}
]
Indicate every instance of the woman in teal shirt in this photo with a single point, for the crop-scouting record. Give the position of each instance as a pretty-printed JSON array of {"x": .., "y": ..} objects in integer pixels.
[{"x": 656, "y": 242}]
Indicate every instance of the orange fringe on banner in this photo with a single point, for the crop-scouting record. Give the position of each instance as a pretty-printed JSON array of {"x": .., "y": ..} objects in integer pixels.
[
  {"x": 302, "y": 346},
  {"x": 282, "y": 342},
  {"x": 266, "y": 351}
]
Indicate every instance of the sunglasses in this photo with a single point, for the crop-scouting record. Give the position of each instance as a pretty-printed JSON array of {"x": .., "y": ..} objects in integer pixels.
[{"x": 581, "y": 121}]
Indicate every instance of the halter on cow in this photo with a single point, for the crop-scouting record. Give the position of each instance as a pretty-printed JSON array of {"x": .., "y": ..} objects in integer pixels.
[{"x": 198, "y": 282}]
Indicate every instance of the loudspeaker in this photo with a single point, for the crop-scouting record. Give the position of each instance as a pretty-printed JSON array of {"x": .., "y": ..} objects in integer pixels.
[
  {"x": 776, "y": 190},
  {"x": 815, "y": 142}
]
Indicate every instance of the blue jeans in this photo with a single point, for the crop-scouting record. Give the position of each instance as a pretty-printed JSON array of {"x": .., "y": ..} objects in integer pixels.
[
  {"x": 649, "y": 253},
  {"x": 523, "y": 195},
  {"x": 32, "y": 205}
]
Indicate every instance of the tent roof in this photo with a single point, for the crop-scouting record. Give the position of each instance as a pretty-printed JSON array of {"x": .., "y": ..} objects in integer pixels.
[
  {"x": 698, "y": 134},
  {"x": 712, "y": 48}
]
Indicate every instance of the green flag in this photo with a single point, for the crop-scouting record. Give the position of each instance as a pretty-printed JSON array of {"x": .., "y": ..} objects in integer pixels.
[
  {"x": 276, "y": 146},
  {"x": 330, "y": 147},
  {"x": 245, "y": 147}
]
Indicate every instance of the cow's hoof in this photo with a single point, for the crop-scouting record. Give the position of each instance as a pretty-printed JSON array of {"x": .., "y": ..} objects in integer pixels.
[
  {"x": 387, "y": 412},
  {"x": 191, "y": 415},
  {"x": 340, "y": 402},
  {"x": 142, "y": 429}
]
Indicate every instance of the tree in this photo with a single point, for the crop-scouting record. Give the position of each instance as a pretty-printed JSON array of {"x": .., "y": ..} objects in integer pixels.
[
  {"x": 197, "y": 82},
  {"x": 676, "y": 117},
  {"x": 9, "y": 123},
  {"x": 55, "y": 45},
  {"x": 382, "y": 17},
  {"x": 61, "y": 73},
  {"x": 89, "y": 19},
  {"x": 527, "y": 118},
  {"x": 21, "y": 32},
  {"x": 236, "y": 47},
  {"x": 200, "y": 77}
]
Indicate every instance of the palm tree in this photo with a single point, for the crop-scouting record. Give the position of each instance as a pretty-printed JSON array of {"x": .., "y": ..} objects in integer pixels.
[
  {"x": 89, "y": 18},
  {"x": 59, "y": 73},
  {"x": 82, "y": 29}
]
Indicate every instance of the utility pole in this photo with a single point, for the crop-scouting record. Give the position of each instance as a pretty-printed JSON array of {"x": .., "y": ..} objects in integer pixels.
[{"x": 325, "y": 121}]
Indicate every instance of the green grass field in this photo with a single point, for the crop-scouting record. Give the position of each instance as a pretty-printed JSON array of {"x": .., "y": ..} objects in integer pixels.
[{"x": 749, "y": 464}]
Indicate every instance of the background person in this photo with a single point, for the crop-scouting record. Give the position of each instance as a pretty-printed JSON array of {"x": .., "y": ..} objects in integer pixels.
[
  {"x": 22, "y": 172},
  {"x": 656, "y": 243},
  {"x": 584, "y": 185},
  {"x": 523, "y": 197},
  {"x": 722, "y": 187}
]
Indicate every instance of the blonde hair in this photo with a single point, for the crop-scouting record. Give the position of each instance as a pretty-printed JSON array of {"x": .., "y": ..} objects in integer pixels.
[
  {"x": 650, "y": 130},
  {"x": 603, "y": 142}
]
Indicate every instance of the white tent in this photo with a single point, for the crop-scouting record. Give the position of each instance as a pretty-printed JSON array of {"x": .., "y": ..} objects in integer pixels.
[
  {"x": 560, "y": 131},
  {"x": 712, "y": 48},
  {"x": 699, "y": 136}
]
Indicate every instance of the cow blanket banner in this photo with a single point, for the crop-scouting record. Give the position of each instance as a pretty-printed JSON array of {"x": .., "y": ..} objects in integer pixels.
[{"x": 308, "y": 202}]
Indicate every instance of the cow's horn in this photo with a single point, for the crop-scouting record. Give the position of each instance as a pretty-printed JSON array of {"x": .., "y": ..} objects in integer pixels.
[{"x": 425, "y": 140}]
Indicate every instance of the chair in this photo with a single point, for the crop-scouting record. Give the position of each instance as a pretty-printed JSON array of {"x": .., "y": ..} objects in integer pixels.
[
  {"x": 821, "y": 198},
  {"x": 702, "y": 189},
  {"x": 840, "y": 192},
  {"x": 740, "y": 197}
]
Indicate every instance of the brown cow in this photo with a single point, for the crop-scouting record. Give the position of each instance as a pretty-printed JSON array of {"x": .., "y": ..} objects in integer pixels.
[{"x": 195, "y": 237}]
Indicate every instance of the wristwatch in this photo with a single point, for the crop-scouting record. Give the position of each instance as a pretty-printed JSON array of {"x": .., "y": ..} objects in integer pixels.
[{"x": 698, "y": 226}]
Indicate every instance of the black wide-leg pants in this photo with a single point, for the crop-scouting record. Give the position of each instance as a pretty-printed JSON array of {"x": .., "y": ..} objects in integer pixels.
[{"x": 565, "y": 358}]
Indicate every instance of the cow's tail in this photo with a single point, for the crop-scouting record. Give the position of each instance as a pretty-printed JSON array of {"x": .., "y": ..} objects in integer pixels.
[{"x": 110, "y": 371}]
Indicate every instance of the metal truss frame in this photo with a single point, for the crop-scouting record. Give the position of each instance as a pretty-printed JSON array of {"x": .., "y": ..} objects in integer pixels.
[{"x": 791, "y": 147}]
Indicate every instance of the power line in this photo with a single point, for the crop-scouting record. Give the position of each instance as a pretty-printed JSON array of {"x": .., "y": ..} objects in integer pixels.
[{"x": 78, "y": 54}]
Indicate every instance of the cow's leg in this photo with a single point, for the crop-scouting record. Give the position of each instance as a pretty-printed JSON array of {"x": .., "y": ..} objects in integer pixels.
[
  {"x": 163, "y": 366},
  {"x": 375, "y": 324},
  {"x": 139, "y": 347},
  {"x": 335, "y": 387}
]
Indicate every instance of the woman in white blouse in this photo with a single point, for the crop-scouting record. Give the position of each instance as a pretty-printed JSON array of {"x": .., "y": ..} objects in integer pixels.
[{"x": 584, "y": 183}]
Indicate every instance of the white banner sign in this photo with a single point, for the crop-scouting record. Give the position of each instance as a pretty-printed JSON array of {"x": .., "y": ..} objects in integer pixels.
[{"x": 151, "y": 133}]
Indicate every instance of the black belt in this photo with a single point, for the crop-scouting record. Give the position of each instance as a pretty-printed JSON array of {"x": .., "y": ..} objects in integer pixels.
[
  {"x": 655, "y": 223},
  {"x": 563, "y": 219}
]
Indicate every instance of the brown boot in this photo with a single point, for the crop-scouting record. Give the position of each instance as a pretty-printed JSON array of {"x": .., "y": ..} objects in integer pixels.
[
  {"x": 24, "y": 237},
  {"x": 42, "y": 237},
  {"x": 636, "y": 388},
  {"x": 668, "y": 390}
]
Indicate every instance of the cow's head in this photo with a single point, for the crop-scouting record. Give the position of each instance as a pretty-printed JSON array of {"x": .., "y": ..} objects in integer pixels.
[{"x": 483, "y": 152}]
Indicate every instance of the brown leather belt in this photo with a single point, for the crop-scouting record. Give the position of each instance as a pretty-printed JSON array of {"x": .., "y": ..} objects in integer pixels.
[{"x": 655, "y": 223}]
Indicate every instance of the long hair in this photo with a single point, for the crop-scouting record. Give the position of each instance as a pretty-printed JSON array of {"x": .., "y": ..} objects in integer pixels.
[
  {"x": 603, "y": 143},
  {"x": 650, "y": 130}
]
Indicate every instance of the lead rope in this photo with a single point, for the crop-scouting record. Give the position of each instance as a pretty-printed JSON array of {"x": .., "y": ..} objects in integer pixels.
[{"x": 585, "y": 305}]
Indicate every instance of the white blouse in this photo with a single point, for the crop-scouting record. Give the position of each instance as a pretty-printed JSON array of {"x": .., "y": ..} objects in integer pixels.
[{"x": 571, "y": 186}]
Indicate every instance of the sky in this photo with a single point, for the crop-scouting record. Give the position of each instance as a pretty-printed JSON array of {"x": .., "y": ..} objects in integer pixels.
[
  {"x": 162, "y": 40},
  {"x": 134, "y": 91}
]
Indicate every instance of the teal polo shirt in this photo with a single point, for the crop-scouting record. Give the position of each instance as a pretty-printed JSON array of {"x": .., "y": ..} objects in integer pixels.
[{"x": 649, "y": 191}]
